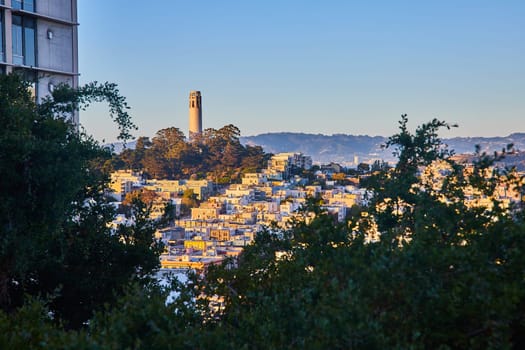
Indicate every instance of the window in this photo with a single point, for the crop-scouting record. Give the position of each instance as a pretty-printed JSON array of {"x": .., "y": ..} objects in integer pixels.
[
  {"x": 18, "y": 52},
  {"x": 29, "y": 42},
  {"x": 26, "y": 5},
  {"x": 24, "y": 41}
]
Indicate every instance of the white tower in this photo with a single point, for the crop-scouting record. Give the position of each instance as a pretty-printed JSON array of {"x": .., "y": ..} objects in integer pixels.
[{"x": 195, "y": 114}]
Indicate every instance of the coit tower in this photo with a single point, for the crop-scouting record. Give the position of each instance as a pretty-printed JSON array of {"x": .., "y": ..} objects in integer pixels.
[{"x": 195, "y": 113}]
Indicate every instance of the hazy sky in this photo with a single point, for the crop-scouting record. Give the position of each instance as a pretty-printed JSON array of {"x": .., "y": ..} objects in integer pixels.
[{"x": 308, "y": 66}]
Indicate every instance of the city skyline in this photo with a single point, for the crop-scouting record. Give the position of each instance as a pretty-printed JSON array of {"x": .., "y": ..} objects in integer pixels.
[{"x": 331, "y": 67}]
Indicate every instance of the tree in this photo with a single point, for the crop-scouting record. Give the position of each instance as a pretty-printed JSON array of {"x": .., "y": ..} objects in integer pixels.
[
  {"x": 55, "y": 239},
  {"x": 363, "y": 168},
  {"x": 189, "y": 200},
  {"x": 164, "y": 158},
  {"x": 255, "y": 159},
  {"x": 216, "y": 153},
  {"x": 379, "y": 165},
  {"x": 224, "y": 150},
  {"x": 432, "y": 271},
  {"x": 134, "y": 159},
  {"x": 144, "y": 195},
  {"x": 439, "y": 272}
]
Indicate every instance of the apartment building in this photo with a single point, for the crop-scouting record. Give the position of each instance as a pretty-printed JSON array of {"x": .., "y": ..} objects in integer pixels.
[
  {"x": 201, "y": 188},
  {"x": 254, "y": 179},
  {"x": 123, "y": 182},
  {"x": 281, "y": 165},
  {"x": 39, "y": 40}
]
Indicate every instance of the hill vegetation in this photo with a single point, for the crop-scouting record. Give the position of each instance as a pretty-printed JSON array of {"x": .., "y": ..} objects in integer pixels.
[{"x": 215, "y": 154}]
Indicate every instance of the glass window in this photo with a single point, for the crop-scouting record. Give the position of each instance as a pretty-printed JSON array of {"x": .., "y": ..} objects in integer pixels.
[
  {"x": 27, "y": 5},
  {"x": 18, "y": 48},
  {"x": 29, "y": 42},
  {"x": 24, "y": 43}
]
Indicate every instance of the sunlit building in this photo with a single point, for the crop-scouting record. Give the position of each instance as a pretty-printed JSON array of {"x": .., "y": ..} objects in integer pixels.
[{"x": 282, "y": 165}]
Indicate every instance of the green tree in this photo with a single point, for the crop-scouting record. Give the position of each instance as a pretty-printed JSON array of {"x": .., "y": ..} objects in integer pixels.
[
  {"x": 379, "y": 165},
  {"x": 134, "y": 158},
  {"x": 55, "y": 239},
  {"x": 421, "y": 268},
  {"x": 218, "y": 153},
  {"x": 224, "y": 150},
  {"x": 255, "y": 159},
  {"x": 363, "y": 168},
  {"x": 189, "y": 200},
  {"x": 164, "y": 158}
]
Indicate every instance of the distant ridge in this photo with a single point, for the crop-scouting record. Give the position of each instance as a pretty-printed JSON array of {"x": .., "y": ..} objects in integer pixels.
[
  {"x": 118, "y": 147},
  {"x": 343, "y": 148}
]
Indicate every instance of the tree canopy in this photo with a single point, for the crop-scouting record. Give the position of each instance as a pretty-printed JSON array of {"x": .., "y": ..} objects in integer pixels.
[
  {"x": 424, "y": 266},
  {"x": 214, "y": 154},
  {"x": 55, "y": 241},
  {"x": 436, "y": 261}
]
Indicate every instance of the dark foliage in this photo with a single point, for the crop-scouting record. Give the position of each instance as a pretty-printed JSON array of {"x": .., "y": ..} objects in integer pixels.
[
  {"x": 426, "y": 266},
  {"x": 55, "y": 241}
]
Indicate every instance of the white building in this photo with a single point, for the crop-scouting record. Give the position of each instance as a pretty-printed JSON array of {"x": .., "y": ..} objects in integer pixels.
[{"x": 281, "y": 165}]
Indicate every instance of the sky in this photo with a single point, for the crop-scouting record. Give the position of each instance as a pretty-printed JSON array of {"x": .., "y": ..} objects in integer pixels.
[{"x": 322, "y": 67}]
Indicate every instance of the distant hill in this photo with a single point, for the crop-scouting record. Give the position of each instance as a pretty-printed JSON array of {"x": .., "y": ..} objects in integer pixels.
[
  {"x": 342, "y": 148},
  {"x": 118, "y": 147},
  {"x": 322, "y": 148}
]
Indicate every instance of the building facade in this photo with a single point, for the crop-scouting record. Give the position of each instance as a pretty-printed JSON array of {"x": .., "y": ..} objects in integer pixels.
[
  {"x": 281, "y": 165},
  {"x": 39, "y": 40}
]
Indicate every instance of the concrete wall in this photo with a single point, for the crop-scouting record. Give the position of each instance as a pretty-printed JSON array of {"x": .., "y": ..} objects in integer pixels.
[
  {"x": 61, "y": 9},
  {"x": 55, "y": 53}
]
